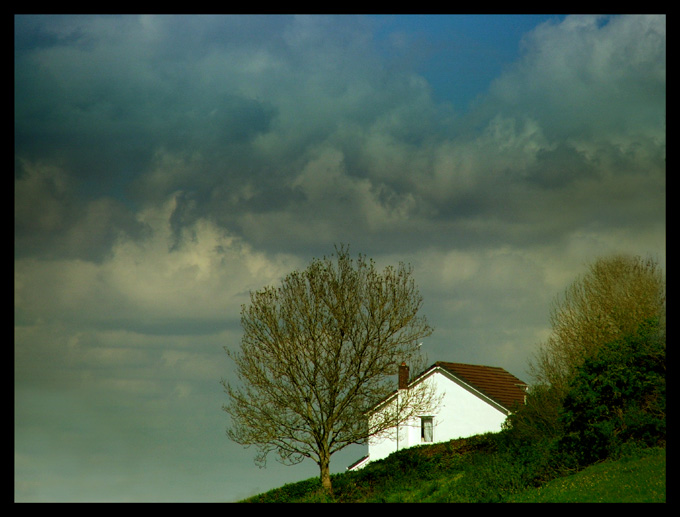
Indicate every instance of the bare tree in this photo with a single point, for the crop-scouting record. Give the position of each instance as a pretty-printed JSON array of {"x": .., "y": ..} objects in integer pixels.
[
  {"x": 611, "y": 300},
  {"x": 318, "y": 353}
]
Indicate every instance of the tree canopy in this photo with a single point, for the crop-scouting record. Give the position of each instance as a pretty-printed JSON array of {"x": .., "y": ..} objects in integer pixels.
[
  {"x": 615, "y": 296},
  {"x": 606, "y": 350}
]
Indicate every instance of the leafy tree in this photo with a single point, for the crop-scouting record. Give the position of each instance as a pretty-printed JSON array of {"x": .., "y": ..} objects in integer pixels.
[
  {"x": 609, "y": 302},
  {"x": 318, "y": 352},
  {"x": 618, "y": 396}
]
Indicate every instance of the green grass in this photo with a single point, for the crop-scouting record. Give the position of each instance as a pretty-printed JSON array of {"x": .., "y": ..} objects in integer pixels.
[
  {"x": 629, "y": 480},
  {"x": 480, "y": 469}
]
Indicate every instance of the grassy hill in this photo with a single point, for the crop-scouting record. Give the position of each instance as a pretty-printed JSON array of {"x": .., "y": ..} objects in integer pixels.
[
  {"x": 638, "y": 479},
  {"x": 479, "y": 469}
]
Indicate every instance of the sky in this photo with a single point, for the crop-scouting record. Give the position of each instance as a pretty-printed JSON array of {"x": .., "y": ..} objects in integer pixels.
[{"x": 166, "y": 166}]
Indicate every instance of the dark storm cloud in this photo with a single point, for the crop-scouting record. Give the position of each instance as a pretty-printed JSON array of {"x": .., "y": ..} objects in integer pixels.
[
  {"x": 35, "y": 32},
  {"x": 104, "y": 107},
  {"x": 52, "y": 221},
  {"x": 237, "y": 111}
]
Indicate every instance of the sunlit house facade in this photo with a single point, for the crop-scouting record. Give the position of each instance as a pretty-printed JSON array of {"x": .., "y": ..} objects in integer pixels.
[{"x": 472, "y": 399}]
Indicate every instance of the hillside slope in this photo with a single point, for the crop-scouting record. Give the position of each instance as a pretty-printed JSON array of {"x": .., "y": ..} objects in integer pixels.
[{"x": 477, "y": 469}]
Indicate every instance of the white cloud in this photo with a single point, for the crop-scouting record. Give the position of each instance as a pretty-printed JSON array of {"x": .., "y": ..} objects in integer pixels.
[
  {"x": 198, "y": 271},
  {"x": 157, "y": 310},
  {"x": 591, "y": 76}
]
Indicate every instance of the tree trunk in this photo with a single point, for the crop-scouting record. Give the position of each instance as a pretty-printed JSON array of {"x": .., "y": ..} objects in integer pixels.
[{"x": 324, "y": 466}]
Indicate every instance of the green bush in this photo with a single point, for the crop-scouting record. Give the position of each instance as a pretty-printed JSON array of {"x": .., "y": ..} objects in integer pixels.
[
  {"x": 617, "y": 397},
  {"x": 538, "y": 418}
]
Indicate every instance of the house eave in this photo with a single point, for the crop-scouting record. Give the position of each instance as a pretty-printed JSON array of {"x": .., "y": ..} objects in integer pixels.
[{"x": 359, "y": 463}]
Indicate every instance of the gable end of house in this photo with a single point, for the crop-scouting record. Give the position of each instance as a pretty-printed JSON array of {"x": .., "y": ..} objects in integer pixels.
[{"x": 491, "y": 382}]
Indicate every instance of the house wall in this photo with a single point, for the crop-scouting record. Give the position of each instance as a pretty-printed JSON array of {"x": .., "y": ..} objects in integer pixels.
[{"x": 459, "y": 415}]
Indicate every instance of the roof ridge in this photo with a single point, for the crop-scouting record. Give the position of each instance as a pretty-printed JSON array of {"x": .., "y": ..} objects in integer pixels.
[{"x": 470, "y": 364}]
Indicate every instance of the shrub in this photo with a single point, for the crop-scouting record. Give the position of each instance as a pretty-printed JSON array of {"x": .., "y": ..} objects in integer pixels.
[
  {"x": 618, "y": 396},
  {"x": 538, "y": 419}
]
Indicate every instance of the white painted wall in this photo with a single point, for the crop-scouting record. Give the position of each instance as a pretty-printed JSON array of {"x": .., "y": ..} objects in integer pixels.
[{"x": 460, "y": 414}]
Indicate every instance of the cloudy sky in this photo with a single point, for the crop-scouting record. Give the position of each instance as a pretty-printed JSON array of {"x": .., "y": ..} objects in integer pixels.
[{"x": 167, "y": 165}]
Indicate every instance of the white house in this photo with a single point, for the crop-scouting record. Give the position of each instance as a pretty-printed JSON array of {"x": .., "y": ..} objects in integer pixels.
[{"x": 473, "y": 399}]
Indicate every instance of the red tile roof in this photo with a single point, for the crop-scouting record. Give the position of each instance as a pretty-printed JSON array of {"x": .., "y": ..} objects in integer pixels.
[{"x": 492, "y": 381}]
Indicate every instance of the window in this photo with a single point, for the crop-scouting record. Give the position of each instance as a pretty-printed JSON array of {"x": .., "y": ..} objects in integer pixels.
[{"x": 426, "y": 428}]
